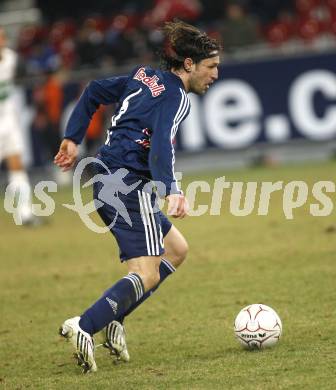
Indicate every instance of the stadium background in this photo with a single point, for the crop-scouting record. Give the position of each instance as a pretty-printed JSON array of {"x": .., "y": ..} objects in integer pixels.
[
  {"x": 273, "y": 102},
  {"x": 273, "y": 105}
]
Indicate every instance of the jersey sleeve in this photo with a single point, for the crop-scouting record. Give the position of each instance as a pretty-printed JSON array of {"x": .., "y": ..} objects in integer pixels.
[
  {"x": 167, "y": 117},
  {"x": 97, "y": 92}
]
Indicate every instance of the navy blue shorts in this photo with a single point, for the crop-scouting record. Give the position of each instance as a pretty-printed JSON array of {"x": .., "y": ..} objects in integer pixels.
[{"x": 127, "y": 203}]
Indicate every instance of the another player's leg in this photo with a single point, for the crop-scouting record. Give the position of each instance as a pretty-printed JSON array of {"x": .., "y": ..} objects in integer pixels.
[{"x": 20, "y": 187}]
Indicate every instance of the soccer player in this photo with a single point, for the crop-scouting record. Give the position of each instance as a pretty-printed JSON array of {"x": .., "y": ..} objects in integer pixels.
[
  {"x": 11, "y": 142},
  {"x": 152, "y": 105}
]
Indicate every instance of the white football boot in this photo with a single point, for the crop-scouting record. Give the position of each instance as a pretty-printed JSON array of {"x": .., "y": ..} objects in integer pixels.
[
  {"x": 82, "y": 342},
  {"x": 115, "y": 341}
]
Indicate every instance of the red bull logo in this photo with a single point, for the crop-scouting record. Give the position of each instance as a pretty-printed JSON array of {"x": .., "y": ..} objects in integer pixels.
[{"x": 150, "y": 82}]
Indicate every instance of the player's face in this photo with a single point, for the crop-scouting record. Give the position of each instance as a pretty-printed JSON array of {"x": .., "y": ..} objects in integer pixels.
[{"x": 203, "y": 75}]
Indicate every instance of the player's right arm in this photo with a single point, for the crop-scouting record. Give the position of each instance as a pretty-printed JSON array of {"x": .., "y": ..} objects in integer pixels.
[
  {"x": 97, "y": 92},
  {"x": 67, "y": 155}
]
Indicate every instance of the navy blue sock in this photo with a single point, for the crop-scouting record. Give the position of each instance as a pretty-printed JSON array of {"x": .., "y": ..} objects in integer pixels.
[
  {"x": 113, "y": 304},
  {"x": 166, "y": 269}
]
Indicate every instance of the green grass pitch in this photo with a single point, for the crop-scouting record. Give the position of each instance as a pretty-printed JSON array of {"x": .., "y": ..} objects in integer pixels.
[{"x": 182, "y": 338}]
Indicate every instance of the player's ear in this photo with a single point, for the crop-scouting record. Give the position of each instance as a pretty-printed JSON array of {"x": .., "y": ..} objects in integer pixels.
[{"x": 188, "y": 64}]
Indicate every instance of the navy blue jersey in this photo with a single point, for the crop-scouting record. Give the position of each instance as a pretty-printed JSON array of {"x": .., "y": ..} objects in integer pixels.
[{"x": 151, "y": 106}]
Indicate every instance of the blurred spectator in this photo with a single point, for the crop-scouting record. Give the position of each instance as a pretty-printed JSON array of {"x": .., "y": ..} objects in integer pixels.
[
  {"x": 94, "y": 134},
  {"x": 48, "y": 103},
  {"x": 90, "y": 44},
  {"x": 42, "y": 58},
  {"x": 119, "y": 40},
  {"x": 238, "y": 29},
  {"x": 166, "y": 10},
  {"x": 128, "y": 31},
  {"x": 267, "y": 11},
  {"x": 282, "y": 30}
]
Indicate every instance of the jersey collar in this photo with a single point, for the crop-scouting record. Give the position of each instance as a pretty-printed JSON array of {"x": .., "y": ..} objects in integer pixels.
[{"x": 173, "y": 77}]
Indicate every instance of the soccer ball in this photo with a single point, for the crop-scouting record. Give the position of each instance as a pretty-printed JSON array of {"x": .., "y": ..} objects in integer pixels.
[{"x": 257, "y": 326}]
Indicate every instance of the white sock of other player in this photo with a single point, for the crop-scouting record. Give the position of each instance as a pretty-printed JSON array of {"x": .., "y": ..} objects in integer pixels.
[{"x": 21, "y": 191}]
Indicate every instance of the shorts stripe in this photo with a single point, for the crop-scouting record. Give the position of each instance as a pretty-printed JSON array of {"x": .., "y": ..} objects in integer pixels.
[
  {"x": 151, "y": 212},
  {"x": 151, "y": 235},
  {"x": 144, "y": 221},
  {"x": 148, "y": 220}
]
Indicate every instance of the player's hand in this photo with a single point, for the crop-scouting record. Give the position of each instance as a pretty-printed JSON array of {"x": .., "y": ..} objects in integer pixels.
[
  {"x": 67, "y": 155},
  {"x": 178, "y": 205}
]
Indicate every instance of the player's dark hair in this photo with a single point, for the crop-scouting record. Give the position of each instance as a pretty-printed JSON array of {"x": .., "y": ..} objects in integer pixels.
[{"x": 185, "y": 41}]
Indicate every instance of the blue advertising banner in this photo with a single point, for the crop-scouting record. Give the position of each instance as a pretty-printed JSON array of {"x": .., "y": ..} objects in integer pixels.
[{"x": 272, "y": 101}]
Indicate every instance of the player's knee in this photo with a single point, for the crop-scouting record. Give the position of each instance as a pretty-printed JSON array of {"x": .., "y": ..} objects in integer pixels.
[
  {"x": 181, "y": 252},
  {"x": 184, "y": 251},
  {"x": 151, "y": 279},
  {"x": 147, "y": 270}
]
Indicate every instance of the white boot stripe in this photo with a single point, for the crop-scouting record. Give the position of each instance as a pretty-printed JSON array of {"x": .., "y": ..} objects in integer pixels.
[
  {"x": 81, "y": 342},
  {"x": 84, "y": 348}
]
